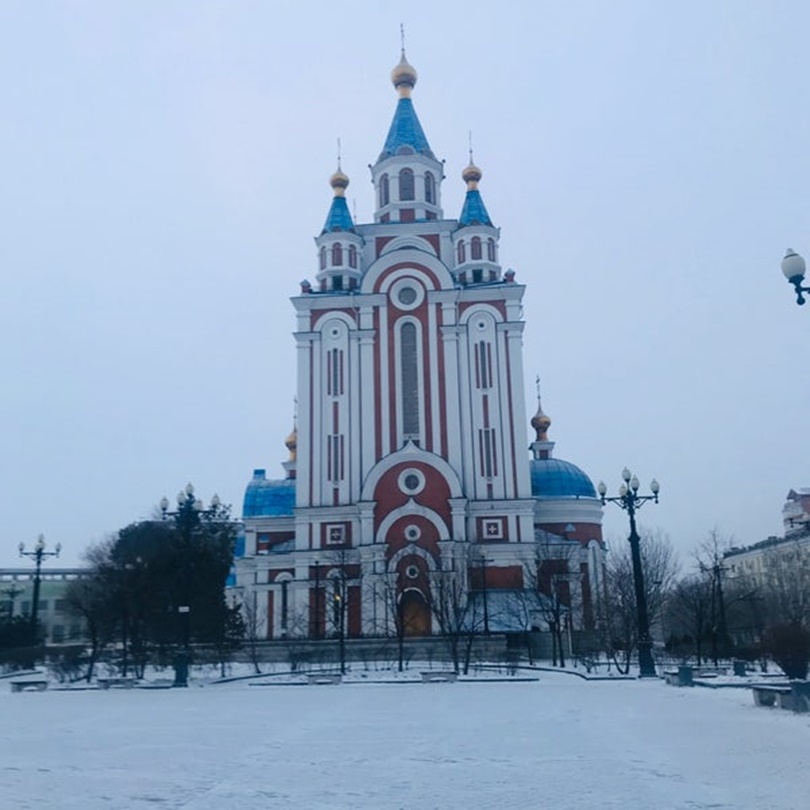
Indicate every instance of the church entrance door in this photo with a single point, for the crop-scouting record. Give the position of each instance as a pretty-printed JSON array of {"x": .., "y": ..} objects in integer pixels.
[{"x": 415, "y": 614}]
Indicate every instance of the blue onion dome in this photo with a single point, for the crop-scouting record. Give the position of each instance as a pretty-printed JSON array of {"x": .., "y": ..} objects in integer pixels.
[
  {"x": 268, "y": 498},
  {"x": 555, "y": 478}
]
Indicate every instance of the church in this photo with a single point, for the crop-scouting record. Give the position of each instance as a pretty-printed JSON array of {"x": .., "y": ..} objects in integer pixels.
[{"x": 409, "y": 470}]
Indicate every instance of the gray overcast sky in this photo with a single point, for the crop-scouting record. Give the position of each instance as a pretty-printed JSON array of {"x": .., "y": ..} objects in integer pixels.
[{"x": 165, "y": 168}]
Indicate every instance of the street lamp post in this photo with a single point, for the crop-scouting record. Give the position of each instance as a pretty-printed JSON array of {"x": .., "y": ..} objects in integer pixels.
[
  {"x": 187, "y": 518},
  {"x": 629, "y": 500},
  {"x": 793, "y": 267},
  {"x": 37, "y": 555},
  {"x": 484, "y": 561}
]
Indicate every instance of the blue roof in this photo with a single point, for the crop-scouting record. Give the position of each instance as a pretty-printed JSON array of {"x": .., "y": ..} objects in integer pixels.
[
  {"x": 555, "y": 478},
  {"x": 405, "y": 131},
  {"x": 267, "y": 498},
  {"x": 474, "y": 211},
  {"x": 338, "y": 218}
]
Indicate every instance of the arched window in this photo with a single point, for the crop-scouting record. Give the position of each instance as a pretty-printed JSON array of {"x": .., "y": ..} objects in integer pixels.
[
  {"x": 385, "y": 191},
  {"x": 323, "y": 258},
  {"x": 430, "y": 188},
  {"x": 462, "y": 254},
  {"x": 491, "y": 250},
  {"x": 475, "y": 248},
  {"x": 409, "y": 379},
  {"x": 352, "y": 256},
  {"x": 337, "y": 255},
  {"x": 406, "y": 190}
]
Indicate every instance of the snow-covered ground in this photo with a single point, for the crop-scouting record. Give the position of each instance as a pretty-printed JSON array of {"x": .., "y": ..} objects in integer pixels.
[{"x": 560, "y": 742}]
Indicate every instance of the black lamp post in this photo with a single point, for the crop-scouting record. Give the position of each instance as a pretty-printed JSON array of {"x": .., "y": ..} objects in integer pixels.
[
  {"x": 629, "y": 500},
  {"x": 484, "y": 561},
  {"x": 187, "y": 519},
  {"x": 793, "y": 267},
  {"x": 37, "y": 555}
]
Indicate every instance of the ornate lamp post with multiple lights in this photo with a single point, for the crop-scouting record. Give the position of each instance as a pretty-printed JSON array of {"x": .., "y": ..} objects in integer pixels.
[
  {"x": 187, "y": 519},
  {"x": 629, "y": 500},
  {"x": 37, "y": 555},
  {"x": 793, "y": 267}
]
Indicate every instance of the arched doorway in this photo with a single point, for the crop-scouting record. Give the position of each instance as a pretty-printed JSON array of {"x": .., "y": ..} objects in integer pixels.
[{"x": 415, "y": 613}]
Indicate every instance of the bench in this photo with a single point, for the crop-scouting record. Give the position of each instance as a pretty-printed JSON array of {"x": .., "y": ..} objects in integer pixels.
[
  {"x": 322, "y": 678},
  {"x": 29, "y": 685},
  {"x": 439, "y": 676},
  {"x": 768, "y": 696},
  {"x": 800, "y": 694},
  {"x": 115, "y": 683},
  {"x": 679, "y": 677}
]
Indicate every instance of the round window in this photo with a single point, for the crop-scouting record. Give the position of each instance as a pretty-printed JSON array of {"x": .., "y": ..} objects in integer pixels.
[
  {"x": 412, "y": 533},
  {"x": 411, "y": 481},
  {"x": 407, "y": 293},
  {"x": 412, "y": 572}
]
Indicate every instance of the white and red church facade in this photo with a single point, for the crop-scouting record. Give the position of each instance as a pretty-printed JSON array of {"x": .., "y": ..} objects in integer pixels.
[{"x": 409, "y": 454}]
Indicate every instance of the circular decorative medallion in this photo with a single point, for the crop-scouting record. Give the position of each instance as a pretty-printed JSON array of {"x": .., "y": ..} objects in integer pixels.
[
  {"x": 407, "y": 294},
  {"x": 412, "y": 532},
  {"x": 411, "y": 481}
]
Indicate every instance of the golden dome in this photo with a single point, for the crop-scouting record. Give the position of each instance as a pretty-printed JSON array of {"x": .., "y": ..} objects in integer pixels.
[
  {"x": 471, "y": 175},
  {"x": 541, "y": 423},
  {"x": 291, "y": 443},
  {"x": 403, "y": 76},
  {"x": 339, "y": 181}
]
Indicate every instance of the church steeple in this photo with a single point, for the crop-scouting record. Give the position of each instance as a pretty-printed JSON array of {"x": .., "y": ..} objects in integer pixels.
[
  {"x": 339, "y": 244},
  {"x": 407, "y": 177},
  {"x": 474, "y": 211},
  {"x": 338, "y": 218},
  {"x": 541, "y": 447},
  {"x": 405, "y": 132},
  {"x": 476, "y": 238}
]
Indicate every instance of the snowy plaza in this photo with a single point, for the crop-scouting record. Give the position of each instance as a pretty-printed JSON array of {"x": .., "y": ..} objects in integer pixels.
[{"x": 559, "y": 742}]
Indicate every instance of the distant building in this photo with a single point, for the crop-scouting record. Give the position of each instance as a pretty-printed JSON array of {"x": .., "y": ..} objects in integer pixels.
[
  {"x": 16, "y": 599},
  {"x": 772, "y": 557},
  {"x": 796, "y": 512},
  {"x": 409, "y": 457}
]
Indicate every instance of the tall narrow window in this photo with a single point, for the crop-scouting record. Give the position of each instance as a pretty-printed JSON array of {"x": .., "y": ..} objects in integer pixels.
[
  {"x": 491, "y": 250},
  {"x": 475, "y": 248},
  {"x": 335, "y": 448},
  {"x": 385, "y": 191},
  {"x": 337, "y": 255},
  {"x": 488, "y": 459},
  {"x": 334, "y": 372},
  {"x": 461, "y": 253},
  {"x": 352, "y": 256},
  {"x": 409, "y": 379},
  {"x": 483, "y": 364},
  {"x": 285, "y": 600},
  {"x": 430, "y": 188},
  {"x": 323, "y": 258},
  {"x": 406, "y": 189}
]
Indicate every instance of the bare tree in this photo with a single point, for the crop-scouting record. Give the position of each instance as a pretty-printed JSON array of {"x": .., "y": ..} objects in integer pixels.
[
  {"x": 342, "y": 587},
  {"x": 85, "y": 599},
  {"x": 255, "y": 618},
  {"x": 710, "y": 559},
  {"x": 458, "y": 616},
  {"x": 660, "y": 570},
  {"x": 393, "y": 592},
  {"x": 786, "y": 583},
  {"x": 688, "y": 611}
]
